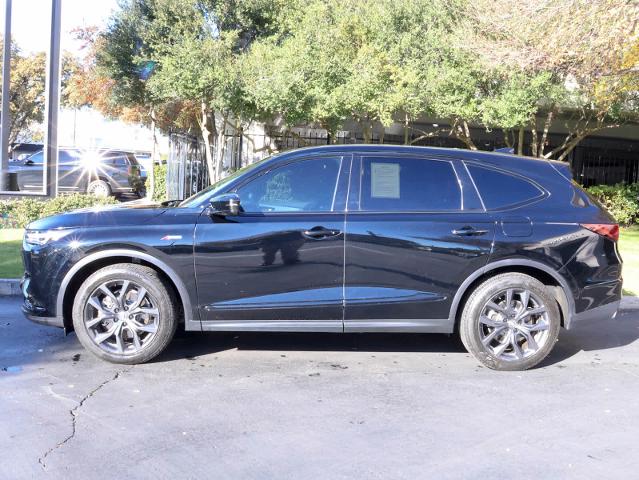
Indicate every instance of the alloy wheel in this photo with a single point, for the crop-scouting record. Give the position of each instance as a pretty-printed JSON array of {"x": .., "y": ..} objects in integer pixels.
[
  {"x": 514, "y": 324},
  {"x": 121, "y": 317}
]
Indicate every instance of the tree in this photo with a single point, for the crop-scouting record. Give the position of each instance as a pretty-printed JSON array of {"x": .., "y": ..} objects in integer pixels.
[
  {"x": 583, "y": 49},
  {"x": 121, "y": 56},
  {"x": 193, "y": 48},
  {"x": 26, "y": 97}
]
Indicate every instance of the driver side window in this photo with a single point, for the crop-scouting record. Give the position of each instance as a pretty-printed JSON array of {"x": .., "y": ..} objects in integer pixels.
[{"x": 302, "y": 186}]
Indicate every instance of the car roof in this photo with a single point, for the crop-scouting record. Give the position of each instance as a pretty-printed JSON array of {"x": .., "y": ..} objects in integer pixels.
[{"x": 513, "y": 162}]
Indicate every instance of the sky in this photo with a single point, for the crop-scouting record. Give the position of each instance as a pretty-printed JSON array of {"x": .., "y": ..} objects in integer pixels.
[
  {"x": 30, "y": 23},
  {"x": 30, "y": 28}
]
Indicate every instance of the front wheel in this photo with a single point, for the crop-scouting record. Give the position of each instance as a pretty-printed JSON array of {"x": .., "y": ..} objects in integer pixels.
[
  {"x": 124, "y": 313},
  {"x": 510, "y": 322}
]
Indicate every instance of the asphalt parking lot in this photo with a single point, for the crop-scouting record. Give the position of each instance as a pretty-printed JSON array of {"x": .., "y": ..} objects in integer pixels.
[{"x": 317, "y": 406}]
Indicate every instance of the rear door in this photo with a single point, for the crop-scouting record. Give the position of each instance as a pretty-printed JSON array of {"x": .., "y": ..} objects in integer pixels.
[
  {"x": 415, "y": 230},
  {"x": 70, "y": 171},
  {"x": 31, "y": 173}
]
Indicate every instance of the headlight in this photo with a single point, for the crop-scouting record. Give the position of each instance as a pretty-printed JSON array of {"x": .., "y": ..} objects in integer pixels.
[{"x": 41, "y": 237}]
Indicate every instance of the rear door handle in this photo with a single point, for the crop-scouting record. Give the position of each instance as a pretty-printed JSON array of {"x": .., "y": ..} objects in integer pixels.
[
  {"x": 469, "y": 231},
  {"x": 318, "y": 233}
]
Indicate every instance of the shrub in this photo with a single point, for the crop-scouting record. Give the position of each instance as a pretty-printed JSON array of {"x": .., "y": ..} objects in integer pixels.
[
  {"x": 620, "y": 200},
  {"x": 20, "y": 212},
  {"x": 159, "y": 195}
]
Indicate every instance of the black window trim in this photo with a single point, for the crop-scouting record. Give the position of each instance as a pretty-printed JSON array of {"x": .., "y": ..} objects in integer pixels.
[
  {"x": 357, "y": 183},
  {"x": 342, "y": 181},
  {"x": 543, "y": 193}
]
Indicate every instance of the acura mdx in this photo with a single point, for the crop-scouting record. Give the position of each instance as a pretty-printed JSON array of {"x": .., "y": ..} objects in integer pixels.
[{"x": 501, "y": 250}]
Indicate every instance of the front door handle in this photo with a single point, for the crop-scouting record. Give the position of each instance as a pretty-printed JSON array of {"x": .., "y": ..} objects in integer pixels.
[
  {"x": 318, "y": 233},
  {"x": 469, "y": 231}
]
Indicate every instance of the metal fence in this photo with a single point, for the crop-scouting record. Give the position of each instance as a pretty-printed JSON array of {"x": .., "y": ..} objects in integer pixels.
[
  {"x": 594, "y": 161},
  {"x": 186, "y": 171}
]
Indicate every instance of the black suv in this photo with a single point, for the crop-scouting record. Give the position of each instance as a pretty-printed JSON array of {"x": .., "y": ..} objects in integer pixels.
[
  {"x": 502, "y": 250},
  {"x": 102, "y": 172}
]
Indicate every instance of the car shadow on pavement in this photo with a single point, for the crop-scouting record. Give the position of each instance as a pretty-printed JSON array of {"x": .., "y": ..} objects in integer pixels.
[
  {"x": 193, "y": 344},
  {"x": 609, "y": 334},
  {"x": 622, "y": 331}
]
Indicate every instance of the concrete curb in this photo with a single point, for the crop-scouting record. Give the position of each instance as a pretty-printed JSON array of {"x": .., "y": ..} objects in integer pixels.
[
  {"x": 629, "y": 303},
  {"x": 9, "y": 286}
]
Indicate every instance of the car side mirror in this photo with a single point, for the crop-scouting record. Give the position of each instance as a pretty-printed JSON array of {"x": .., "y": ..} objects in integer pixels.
[{"x": 226, "y": 205}]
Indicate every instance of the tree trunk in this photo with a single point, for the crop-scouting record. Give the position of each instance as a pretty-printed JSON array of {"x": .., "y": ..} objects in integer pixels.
[
  {"x": 533, "y": 143},
  {"x": 366, "y": 131},
  {"x": 220, "y": 153},
  {"x": 150, "y": 192},
  {"x": 507, "y": 140},
  {"x": 203, "y": 122},
  {"x": 520, "y": 141},
  {"x": 462, "y": 132},
  {"x": 570, "y": 146},
  {"x": 542, "y": 144},
  {"x": 406, "y": 138}
]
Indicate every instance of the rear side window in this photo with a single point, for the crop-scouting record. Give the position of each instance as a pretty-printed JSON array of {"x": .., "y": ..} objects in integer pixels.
[
  {"x": 37, "y": 158},
  {"x": 117, "y": 159},
  {"x": 500, "y": 189},
  {"x": 408, "y": 184},
  {"x": 67, "y": 156}
]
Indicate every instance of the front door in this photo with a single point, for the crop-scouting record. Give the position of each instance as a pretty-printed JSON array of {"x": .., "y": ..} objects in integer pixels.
[
  {"x": 415, "y": 231},
  {"x": 280, "y": 263}
]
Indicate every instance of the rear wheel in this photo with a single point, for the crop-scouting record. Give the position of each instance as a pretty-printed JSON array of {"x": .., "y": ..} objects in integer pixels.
[
  {"x": 510, "y": 322},
  {"x": 124, "y": 314},
  {"x": 99, "y": 188}
]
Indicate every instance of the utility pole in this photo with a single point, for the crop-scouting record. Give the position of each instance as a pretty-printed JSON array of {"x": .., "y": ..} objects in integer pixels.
[{"x": 6, "y": 95}]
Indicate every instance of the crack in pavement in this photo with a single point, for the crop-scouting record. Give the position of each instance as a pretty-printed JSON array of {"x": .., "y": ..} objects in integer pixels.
[{"x": 74, "y": 415}]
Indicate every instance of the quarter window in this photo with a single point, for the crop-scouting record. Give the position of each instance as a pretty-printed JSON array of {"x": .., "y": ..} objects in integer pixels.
[
  {"x": 36, "y": 158},
  {"x": 500, "y": 189},
  {"x": 408, "y": 184},
  {"x": 303, "y": 186}
]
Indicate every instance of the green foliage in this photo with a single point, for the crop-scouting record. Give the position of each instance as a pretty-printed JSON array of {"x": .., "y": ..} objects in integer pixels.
[
  {"x": 19, "y": 213},
  {"x": 11, "y": 253},
  {"x": 363, "y": 60},
  {"x": 159, "y": 195},
  {"x": 620, "y": 200},
  {"x": 328, "y": 62}
]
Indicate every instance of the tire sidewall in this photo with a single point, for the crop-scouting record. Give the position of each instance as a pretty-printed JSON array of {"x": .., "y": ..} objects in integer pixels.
[
  {"x": 469, "y": 330},
  {"x": 155, "y": 289},
  {"x": 99, "y": 184}
]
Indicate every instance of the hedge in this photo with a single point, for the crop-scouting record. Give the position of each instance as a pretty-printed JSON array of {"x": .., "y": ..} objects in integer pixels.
[
  {"x": 20, "y": 212},
  {"x": 159, "y": 195},
  {"x": 620, "y": 200}
]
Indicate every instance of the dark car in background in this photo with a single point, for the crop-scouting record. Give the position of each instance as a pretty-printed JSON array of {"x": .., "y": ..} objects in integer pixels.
[
  {"x": 500, "y": 250},
  {"x": 103, "y": 172}
]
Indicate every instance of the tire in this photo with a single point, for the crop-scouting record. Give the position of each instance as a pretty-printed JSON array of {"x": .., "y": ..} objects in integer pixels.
[
  {"x": 505, "y": 336},
  {"x": 99, "y": 188},
  {"x": 108, "y": 324}
]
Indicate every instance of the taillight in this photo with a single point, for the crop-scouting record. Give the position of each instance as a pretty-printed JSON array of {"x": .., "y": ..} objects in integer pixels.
[{"x": 607, "y": 230}]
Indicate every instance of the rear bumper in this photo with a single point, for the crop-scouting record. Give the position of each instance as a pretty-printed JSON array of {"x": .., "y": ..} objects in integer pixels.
[{"x": 594, "y": 315}]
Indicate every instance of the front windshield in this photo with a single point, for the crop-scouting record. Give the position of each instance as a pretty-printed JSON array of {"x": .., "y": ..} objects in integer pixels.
[{"x": 218, "y": 186}]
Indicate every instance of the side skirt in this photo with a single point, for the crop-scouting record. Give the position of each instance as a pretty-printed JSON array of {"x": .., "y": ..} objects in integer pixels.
[
  {"x": 438, "y": 325},
  {"x": 443, "y": 325}
]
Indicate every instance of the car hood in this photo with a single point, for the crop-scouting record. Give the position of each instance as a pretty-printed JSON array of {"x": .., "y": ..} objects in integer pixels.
[{"x": 130, "y": 213}]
